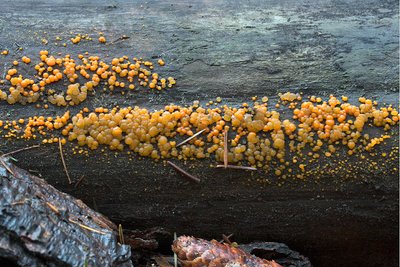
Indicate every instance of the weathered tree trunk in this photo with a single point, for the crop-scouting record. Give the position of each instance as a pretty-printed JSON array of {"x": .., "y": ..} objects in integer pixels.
[
  {"x": 41, "y": 226},
  {"x": 233, "y": 50}
]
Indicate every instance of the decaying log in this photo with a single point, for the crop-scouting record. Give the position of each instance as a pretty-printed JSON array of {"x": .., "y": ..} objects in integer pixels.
[
  {"x": 41, "y": 226},
  {"x": 234, "y": 50}
]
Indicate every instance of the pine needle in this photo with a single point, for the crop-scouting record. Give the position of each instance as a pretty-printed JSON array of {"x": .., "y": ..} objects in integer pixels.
[
  {"x": 175, "y": 256},
  {"x": 19, "y": 150},
  {"x": 63, "y": 161},
  {"x": 19, "y": 202},
  {"x": 185, "y": 173},
  {"x": 226, "y": 148},
  {"x": 121, "y": 234},
  {"x": 237, "y": 167},
  {"x": 226, "y": 239},
  {"x": 79, "y": 181},
  {"x": 190, "y": 138},
  {"x": 87, "y": 227},
  {"x": 53, "y": 208},
  {"x": 6, "y": 166}
]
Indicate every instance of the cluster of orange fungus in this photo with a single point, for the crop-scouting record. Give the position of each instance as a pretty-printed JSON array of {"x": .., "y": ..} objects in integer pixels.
[
  {"x": 284, "y": 142},
  {"x": 257, "y": 136},
  {"x": 81, "y": 75}
]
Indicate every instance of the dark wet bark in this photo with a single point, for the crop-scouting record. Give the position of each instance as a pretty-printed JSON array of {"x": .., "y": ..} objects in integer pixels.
[{"x": 233, "y": 50}]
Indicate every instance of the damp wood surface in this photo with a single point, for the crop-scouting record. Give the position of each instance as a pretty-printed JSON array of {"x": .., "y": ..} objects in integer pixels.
[{"x": 233, "y": 50}]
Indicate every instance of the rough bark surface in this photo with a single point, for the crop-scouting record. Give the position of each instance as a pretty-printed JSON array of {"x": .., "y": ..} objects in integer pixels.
[
  {"x": 41, "y": 226},
  {"x": 235, "y": 50}
]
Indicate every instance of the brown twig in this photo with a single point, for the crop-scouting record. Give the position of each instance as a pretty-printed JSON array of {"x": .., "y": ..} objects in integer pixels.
[
  {"x": 185, "y": 173},
  {"x": 79, "y": 181},
  {"x": 226, "y": 148},
  {"x": 19, "y": 150},
  {"x": 121, "y": 234},
  {"x": 237, "y": 167},
  {"x": 63, "y": 161},
  {"x": 190, "y": 138},
  {"x": 87, "y": 227}
]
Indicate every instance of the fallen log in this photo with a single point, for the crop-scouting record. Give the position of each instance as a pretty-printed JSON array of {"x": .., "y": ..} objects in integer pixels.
[
  {"x": 234, "y": 50},
  {"x": 41, "y": 226}
]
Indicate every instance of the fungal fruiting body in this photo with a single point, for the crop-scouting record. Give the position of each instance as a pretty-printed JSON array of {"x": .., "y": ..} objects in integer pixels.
[
  {"x": 289, "y": 142},
  {"x": 82, "y": 76},
  {"x": 196, "y": 252},
  {"x": 289, "y": 138}
]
